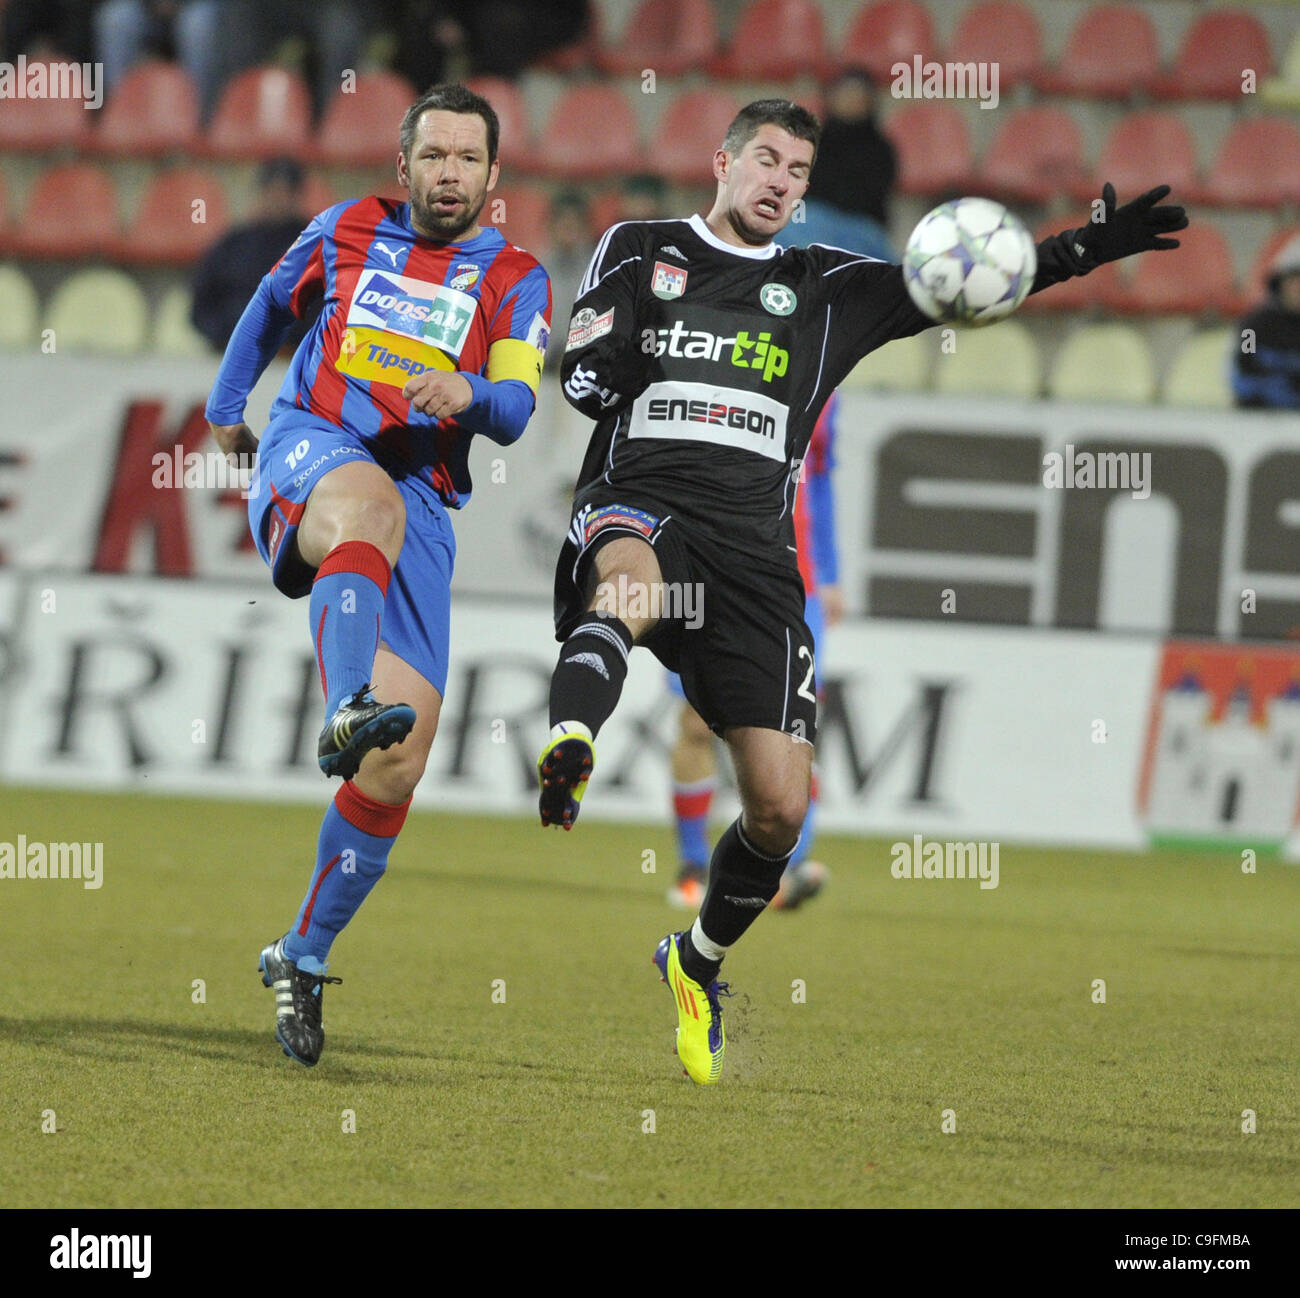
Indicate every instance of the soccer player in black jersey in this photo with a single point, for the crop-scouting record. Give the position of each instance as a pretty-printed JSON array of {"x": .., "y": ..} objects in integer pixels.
[{"x": 704, "y": 352}]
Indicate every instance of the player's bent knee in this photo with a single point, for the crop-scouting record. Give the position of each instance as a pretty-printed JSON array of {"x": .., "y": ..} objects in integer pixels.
[
  {"x": 391, "y": 774},
  {"x": 773, "y": 819}
]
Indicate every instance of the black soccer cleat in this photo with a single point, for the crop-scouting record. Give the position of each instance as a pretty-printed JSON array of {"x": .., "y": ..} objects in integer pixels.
[
  {"x": 298, "y": 1004},
  {"x": 359, "y": 725},
  {"x": 563, "y": 770}
]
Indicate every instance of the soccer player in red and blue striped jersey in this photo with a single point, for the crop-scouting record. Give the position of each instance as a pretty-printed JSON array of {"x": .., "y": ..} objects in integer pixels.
[{"x": 432, "y": 329}]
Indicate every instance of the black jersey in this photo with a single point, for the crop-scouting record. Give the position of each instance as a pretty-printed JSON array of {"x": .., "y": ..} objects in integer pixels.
[{"x": 706, "y": 366}]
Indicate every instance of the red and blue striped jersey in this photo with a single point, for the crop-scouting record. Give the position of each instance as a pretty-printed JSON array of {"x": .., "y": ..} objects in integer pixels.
[
  {"x": 814, "y": 515},
  {"x": 394, "y": 305}
]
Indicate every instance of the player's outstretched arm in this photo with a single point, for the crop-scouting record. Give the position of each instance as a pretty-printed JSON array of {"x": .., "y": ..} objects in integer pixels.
[{"x": 1142, "y": 225}]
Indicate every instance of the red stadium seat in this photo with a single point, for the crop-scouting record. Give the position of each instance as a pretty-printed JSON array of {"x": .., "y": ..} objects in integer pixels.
[
  {"x": 71, "y": 215},
  {"x": 885, "y": 33},
  {"x": 1037, "y": 155},
  {"x": 934, "y": 151},
  {"x": 1003, "y": 32},
  {"x": 263, "y": 113},
  {"x": 360, "y": 127},
  {"x": 1217, "y": 48},
  {"x": 153, "y": 110},
  {"x": 1257, "y": 165},
  {"x": 775, "y": 40},
  {"x": 165, "y": 231},
  {"x": 591, "y": 132},
  {"x": 521, "y": 213},
  {"x": 1144, "y": 149},
  {"x": 1194, "y": 279},
  {"x": 689, "y": 132},
  {"x": 43, "y": 125},
  {"x": 1112, "y": 53},
  {"x": 516, "y": 149},
  {"x": 671, "y": 36}
]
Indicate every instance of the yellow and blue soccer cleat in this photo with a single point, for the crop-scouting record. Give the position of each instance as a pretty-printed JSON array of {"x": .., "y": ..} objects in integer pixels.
[
  {"x": 701, "y": 1039},
  {"x": 563, "y": 770}
]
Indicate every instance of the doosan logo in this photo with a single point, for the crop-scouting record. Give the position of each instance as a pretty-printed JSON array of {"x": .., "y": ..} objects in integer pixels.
[{"x": 77, "y": 1252}]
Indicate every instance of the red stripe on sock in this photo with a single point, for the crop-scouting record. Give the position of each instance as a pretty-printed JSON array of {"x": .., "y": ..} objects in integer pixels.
[
  {"x": 360, "y": 557},
  {"x": 320, "y": 657},
  {"x": 381, "y": 819},
  {"x": 311, "y": 904},
  {"x": 690, "y": 806}
]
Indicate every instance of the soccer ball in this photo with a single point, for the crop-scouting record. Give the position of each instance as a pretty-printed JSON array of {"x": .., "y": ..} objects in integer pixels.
[{"x": 969, "y": 262}]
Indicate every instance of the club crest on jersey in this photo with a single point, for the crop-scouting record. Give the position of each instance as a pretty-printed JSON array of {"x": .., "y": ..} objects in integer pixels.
[
  {"x": 466, "y": 276},
  {"x": 669, "y": 281},
  {"x": 777, "y": 299}
]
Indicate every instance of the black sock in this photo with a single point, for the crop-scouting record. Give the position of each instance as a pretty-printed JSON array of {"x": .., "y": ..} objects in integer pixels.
[
  {"x": 589, "y": 676},
  {"x": 742, "y": 881}
]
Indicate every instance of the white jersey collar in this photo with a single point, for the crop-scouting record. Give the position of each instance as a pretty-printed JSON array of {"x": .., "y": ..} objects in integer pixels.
[{"x": 765, "y": 253}]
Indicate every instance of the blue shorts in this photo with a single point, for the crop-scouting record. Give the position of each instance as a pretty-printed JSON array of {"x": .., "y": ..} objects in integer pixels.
[{"x": 295, "y": 453}]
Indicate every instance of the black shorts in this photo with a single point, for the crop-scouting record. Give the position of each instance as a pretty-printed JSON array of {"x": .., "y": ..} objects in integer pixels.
[{"x": 732, "y": 628}]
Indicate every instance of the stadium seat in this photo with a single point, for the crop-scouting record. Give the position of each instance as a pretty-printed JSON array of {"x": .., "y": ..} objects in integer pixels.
[
  {"x": 775, "y": 40},
  {"x": 1112, "y": 53},
  {"x": 152, "y": 111},
  {"x": 1283, "y": 90},
  {"x": 1199, "y": 375},
  {"x": 998, "y": 360},
  {"x": 934, "y": 152},
  {"x": 591, "y": 132},
  {"x": 516, "y": 149},
  {"x": 1037, "y": 155},
  {"x": 1103, "y": 362},
  {"x": 688, "y": 133},
  {"x": 1256, "y": 282},
  {"x": 43, "y": 125},
  {"x": 521, "y": 212},
  {"x": 887, "y": 32},
  {"x": 359, "y": 128},
  {"x": 671, "y": 36},
  {"x": 167, "y": 230},
  {"x": 899, "y": 366},
  {"x": 1257, "y": 165},
  {"x": 19, "y": 309},
  {"x": 1195, "y": 279},
  {"x": 71, "y": 214},
  {"x": 99, "y": 310},
  {"x": 1003, "y": 32},
  {"x": 263, "y": 113},
  {"x": 1144, "y": 149},
  {"x": 1216, "y": 50},
  {"x": 317, "y": 194},
  {"x": 172, "y": 333}
]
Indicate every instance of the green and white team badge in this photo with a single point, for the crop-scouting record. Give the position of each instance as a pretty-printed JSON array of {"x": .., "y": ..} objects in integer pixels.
[{"x": 778, "y": 299}]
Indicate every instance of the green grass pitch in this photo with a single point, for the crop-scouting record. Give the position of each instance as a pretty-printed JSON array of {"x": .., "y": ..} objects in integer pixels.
[{"x": 920, "y": 997}]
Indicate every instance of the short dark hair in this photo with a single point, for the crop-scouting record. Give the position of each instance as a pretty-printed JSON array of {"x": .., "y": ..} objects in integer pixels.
[
  {"x": 775, "y": 112},
  {"x": 450, "y": 97}
]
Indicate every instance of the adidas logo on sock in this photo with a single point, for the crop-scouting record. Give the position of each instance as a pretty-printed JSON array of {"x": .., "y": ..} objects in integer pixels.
[{"x": 590, "y": 660}]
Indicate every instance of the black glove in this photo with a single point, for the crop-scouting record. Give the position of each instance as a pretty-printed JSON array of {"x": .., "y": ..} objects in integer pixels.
[{"x": 1135, "y": 227}]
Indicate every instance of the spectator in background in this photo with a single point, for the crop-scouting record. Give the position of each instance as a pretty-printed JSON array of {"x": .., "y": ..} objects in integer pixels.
[
  {"x": 643, "y": 197},
  {"x": 189, "y": 30},
  {"x": 1268, "y": 376},
  {"x": 853, "y": 175},
  {"x": 228, "y": 275},
  {"x": 55, "y": 29},
  {"x": 568, "y": 255},
  {"x": 443, "y": 39}
]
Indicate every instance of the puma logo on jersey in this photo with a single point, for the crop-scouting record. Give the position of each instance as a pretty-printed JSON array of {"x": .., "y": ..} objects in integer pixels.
[{"x": 388, "y": 252}]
